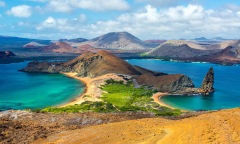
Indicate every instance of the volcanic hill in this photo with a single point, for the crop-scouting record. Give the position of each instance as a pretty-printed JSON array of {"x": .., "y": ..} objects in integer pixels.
[
  {"x": 119, "y": 40},
  {"x": 92, "y": 65}
]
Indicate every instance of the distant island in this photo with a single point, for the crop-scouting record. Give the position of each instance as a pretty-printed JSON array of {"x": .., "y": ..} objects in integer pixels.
[{"x": 123, "y": 44}]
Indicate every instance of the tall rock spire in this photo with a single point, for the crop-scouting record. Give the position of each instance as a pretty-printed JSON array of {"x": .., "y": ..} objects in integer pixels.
[{"x": 208, "y": 82}]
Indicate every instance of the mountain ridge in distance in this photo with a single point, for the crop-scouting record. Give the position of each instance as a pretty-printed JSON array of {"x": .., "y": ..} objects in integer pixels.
[{"x": 119, "y": 40}]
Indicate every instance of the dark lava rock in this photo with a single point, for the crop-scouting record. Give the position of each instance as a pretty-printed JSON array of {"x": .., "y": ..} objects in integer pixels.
[{"x": 208, "y": 82}]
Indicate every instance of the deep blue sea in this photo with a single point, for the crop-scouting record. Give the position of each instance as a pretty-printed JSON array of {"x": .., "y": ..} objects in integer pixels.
[
  {"x": 227, "y": 83},
  {"x": 19, "y": 90}
]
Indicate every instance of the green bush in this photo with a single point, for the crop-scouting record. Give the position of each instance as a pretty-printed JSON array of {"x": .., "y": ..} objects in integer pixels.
[
  {"x": 84, "y": 107},
  {"x": 127, "y": 98}
]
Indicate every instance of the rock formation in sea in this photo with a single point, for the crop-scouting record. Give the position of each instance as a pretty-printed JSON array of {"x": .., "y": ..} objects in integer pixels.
[
  {"x": 6, "y": 54},
  {"x": 208, "y": 82},
  {"x": 96, "y": 64}
]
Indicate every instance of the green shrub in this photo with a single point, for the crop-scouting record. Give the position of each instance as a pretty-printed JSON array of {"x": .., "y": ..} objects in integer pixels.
[
  {"x": 127, "y": 98},
  {"x": 84, "y": 107}
]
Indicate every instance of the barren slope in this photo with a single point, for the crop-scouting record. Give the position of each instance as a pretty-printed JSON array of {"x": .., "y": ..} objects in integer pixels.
[{"x": 215, "y": 127}]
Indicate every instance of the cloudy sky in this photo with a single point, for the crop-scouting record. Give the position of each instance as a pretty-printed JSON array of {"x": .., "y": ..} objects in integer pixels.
[{"x": 146, "y": 19}]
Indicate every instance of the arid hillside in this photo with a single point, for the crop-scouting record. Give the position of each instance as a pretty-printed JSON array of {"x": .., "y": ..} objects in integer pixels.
[{"x": 216, "y": 127}]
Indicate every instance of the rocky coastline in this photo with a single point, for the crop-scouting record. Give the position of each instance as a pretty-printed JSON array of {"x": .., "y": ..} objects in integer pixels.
[{"x": 92, "y": 65}]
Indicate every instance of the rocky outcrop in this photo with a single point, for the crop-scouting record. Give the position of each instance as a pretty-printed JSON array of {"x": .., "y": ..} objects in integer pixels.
[
  {"x": 174, "y": 83},
  {"x": 208, "y": 82},
  {"x": 43, "y": 67}
]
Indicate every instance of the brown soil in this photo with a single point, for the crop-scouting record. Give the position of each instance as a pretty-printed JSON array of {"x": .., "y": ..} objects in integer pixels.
[
  {"x": 217, "y": 127},
  {"x": 25, "y": 127}
]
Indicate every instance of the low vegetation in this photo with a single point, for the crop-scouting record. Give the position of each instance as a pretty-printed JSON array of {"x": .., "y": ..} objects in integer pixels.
[
  {"x": 85, "y": 106},
  {"x": 120, "y": 97}
]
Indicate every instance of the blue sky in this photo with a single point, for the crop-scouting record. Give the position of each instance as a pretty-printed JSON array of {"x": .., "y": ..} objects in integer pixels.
[{"x": 146, "y": 19}]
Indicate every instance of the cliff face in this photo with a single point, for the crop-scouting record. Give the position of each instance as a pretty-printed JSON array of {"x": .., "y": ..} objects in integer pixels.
[
  {"x": 166, "y": 83},
  {"x": 43, "y": 67},
  {"x": 208, "y": 82}
]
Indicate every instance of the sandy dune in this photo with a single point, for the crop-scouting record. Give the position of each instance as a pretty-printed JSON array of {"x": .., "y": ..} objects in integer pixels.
[{"x": 216, "y": 127}]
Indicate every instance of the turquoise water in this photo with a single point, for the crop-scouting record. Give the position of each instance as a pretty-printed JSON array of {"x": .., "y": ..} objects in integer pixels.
[
  {"x": 227, "y": 79},
  {"x": 19, "y": 90}
]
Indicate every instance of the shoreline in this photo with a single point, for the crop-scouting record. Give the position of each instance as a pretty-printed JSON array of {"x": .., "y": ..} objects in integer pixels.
[
  {"x": 156, "y": 97},
  {"x": 90, "y": 88},
  {"x": 78, "y": 99},
  {"x": 92, "y": 92}
]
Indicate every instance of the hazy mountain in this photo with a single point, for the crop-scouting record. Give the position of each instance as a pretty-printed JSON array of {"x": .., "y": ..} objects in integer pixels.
[
  {"x": 201, "y": 39},
  {"x": 226, "y": 52},
  {"x": 76, "y": 40},
  {"x": 219, "y": 39},
  {"x": 60, "y": 47},
  {"x": 157, "y": 42},
  {"x": 6, "y": 54},
  {"x": 179, "y": 49},
  {"x": 119, "y": 40},
  {"x": 16, "y": 42},
  {"x": 33, "y": 45}
]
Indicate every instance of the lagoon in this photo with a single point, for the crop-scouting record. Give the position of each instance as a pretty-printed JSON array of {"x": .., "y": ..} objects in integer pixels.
[{"x": 20, "y": 90}]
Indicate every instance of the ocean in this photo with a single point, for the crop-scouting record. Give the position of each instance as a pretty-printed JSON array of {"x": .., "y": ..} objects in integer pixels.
[
  {"x": 227, "y": 79},
  {"x": 20, "y": 90}
]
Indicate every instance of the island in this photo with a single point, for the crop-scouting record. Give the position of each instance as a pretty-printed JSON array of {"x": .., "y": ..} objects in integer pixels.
[{"x": 97, "y": 69}]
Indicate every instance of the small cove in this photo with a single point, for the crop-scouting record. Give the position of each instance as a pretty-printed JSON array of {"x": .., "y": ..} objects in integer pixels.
[{"x": 227, "y": 79}]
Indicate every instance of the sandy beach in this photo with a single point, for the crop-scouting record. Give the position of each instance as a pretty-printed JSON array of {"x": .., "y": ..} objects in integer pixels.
[
  {"x": 92, "y": 91},
  {"x": 156, "y": 97}
]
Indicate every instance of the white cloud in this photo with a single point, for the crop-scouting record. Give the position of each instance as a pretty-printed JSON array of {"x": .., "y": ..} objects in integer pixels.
[
  {"x": 60, "y": 6},
  {"x": 151, "y": 23},
  {"x": 162, "y": 3},
  {"x": 2, "y": 4},
  {"x": 102, "y": 5},
  {"x": 20, "y": 11},
  {"x": 95, "y": 5},
  {"x": 61, "y": 25}
]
